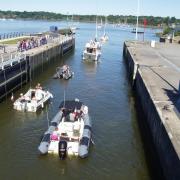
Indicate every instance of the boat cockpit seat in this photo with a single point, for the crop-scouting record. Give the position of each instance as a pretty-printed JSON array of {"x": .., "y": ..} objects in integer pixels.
[{"x": 71, "y": 117}]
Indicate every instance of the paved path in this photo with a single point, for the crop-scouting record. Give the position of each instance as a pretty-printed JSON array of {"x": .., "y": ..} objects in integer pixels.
[{"x": 160, "y": 69}]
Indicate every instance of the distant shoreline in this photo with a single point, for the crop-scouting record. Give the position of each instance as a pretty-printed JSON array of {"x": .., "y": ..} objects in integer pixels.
[
  {"x": 52, "y": 20},
  {"x": 112, "y": 19}
]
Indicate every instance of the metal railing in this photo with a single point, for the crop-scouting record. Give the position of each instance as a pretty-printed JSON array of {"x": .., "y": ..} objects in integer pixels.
[
  {"x": 10, "y": 35},
  {"x": 10, "y": 58}
]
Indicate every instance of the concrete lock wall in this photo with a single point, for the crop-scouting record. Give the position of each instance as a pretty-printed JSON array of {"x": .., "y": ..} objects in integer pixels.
[
  {"x": 168, "y": 157},
  {"x": 13, "y": 77}
]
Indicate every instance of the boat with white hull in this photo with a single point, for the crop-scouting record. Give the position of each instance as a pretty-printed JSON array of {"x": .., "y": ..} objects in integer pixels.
[
  {"x": 32, "y": 100},
  {"x": 69, "y": 133},
  {"x": 92, "y": 51}
]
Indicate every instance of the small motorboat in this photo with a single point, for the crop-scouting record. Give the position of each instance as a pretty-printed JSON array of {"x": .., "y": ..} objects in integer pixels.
[
  {"x": 69, "y": 133},
  {"x": 63, "y": 73},
  {"x": 32, "y": 100}
]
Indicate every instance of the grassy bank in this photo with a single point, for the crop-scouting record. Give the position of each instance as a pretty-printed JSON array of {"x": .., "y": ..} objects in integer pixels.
[{"x": 13, "y": 40}]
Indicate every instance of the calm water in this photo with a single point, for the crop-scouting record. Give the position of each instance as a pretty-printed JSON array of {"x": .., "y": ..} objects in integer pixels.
[{"x": 118, "y": 152}]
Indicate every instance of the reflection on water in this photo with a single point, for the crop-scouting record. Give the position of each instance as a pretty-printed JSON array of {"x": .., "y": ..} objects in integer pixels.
[
  {"x": 90, "y": 67},
  {"x": 118, "y": 152}
]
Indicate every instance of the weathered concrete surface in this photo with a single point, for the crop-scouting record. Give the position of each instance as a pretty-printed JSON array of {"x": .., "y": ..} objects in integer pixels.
[
  {"x": 156, "y": 73},
  {"x": 42, "y": 54}
]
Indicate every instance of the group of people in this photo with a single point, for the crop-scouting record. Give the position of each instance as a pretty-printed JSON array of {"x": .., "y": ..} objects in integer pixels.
[
  {"x": 92, "y": 46},
  {"x": 31, "y": 43},
  {"x": 37, "y": 95},
  {"x": 65, "y": 69},
  {"x": 71, "y": 115}
]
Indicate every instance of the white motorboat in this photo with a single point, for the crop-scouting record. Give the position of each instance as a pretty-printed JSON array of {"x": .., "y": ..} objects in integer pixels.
[
  {"x": 32, "y": 100},
  {"x": 92, "y": 51},
  {"x": 69, "y": 133},
  {"x": 63, "y": 73}
]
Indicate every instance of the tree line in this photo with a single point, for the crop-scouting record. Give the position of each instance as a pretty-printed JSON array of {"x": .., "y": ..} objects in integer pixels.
[{"x": 116, "y": 19}]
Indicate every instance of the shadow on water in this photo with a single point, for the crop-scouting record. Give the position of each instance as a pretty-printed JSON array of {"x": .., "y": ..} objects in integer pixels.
[{"x": 151, "y": 155}]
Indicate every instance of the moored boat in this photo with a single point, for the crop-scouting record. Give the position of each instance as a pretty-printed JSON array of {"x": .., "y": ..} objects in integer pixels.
[
  {"x": 32, "y": 100},
  {"x": 69, "y": 132},
  {"x": 139, "y": 32}
]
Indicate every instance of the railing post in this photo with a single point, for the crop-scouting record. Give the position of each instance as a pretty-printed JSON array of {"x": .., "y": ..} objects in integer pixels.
[{"x": 1, "y": 58}]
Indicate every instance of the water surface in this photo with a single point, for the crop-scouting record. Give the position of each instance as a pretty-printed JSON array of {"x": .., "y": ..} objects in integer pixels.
[{"x": 118, "y": 152}]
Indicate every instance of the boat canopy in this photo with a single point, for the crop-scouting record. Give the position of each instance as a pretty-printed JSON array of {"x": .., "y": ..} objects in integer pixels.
[{"x": 71, "y": 105}]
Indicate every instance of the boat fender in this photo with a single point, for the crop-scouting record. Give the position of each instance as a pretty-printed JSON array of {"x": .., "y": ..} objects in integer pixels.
[
  {"x": 62, "y": 149},
  {"x": 92, "y": 141},
  {"x": 42, "y": 105}
]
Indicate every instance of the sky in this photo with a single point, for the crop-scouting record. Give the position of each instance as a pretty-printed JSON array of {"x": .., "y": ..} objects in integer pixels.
[{"x": 99, "y": 7}]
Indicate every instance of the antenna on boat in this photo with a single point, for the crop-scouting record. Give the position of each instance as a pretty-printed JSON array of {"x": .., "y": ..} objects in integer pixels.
[
  {"x": 137, "y": 21},
  {"x": 64, "y": 97},
  {"x": 67, "y": 19},
  {"x": 47, "y": 116}
]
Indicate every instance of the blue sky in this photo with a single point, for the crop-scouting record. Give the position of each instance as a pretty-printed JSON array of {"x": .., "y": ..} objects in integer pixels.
[{"x": 105, "y": 7}]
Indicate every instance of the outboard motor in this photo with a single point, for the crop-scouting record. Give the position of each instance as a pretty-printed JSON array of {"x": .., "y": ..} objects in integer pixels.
[{"x": 62, "y": 149}]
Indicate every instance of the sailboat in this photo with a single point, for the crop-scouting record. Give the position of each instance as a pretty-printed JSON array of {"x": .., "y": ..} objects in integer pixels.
[
  {"x": 73, "y": 26},
  {"x": 105, "y": 37},
  {"x": 92, "y": 49},
  {"x": 99, "y": 26}
]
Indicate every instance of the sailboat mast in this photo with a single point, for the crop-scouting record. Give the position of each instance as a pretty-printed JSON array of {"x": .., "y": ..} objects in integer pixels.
[
  {"x": 96, "y": 28},
  {"x": 104, "y": 25},
  {"x": 137, "y": 21},
  {"x": 67, "y": 19},
  {"x": 64, "y": 98}
]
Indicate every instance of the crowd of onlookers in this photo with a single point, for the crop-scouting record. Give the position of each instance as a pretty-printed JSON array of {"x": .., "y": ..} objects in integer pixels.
[{"x": 31, "y": 43}]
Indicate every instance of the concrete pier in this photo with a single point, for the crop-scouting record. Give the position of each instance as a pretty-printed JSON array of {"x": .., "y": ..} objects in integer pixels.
[
  {"x": 16, "y": 67},
  {"x": 56, "y": 47},
  {"x": 155, "y": 76}
]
